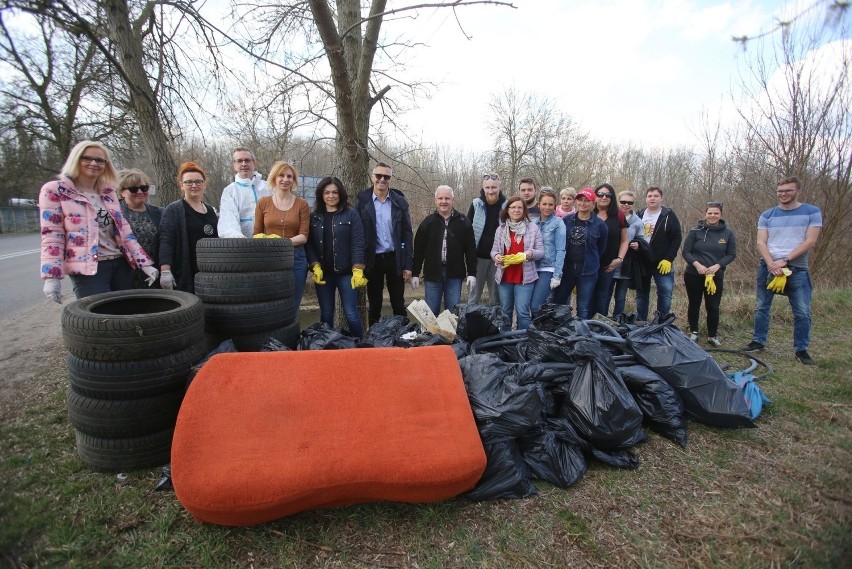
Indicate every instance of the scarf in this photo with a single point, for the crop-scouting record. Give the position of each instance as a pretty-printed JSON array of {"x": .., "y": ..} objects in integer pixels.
[{"x": 518, "y": 228}]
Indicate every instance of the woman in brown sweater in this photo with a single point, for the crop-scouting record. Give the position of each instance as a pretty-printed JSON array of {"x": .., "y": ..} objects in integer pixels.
[{"x": 285, "y": 214}]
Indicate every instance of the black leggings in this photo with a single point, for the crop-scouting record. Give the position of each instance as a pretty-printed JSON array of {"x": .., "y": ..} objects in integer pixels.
[{"x": 695, "y": 291}]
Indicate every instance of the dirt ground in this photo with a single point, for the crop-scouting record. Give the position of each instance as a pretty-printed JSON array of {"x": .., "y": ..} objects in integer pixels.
[{"x": 32, "y": 341}]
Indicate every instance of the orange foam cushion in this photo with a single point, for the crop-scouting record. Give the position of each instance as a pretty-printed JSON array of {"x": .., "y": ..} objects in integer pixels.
[{"x": 265, "y": 435}]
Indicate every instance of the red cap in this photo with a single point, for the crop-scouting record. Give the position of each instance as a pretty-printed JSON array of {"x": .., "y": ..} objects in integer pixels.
[{"x": 587, "y": 193}]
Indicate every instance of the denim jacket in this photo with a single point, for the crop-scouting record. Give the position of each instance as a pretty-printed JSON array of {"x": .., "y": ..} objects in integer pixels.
[
  {"x": 348, "y": 246},
  {"x": 595, "y": 242},
  {"x": 553, "y": 237}
]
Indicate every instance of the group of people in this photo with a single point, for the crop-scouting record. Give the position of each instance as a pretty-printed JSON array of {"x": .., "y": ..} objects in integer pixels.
[{"x": 534, "y": 247}]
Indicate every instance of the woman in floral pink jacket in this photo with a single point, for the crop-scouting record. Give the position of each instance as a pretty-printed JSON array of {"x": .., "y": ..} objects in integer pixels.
[{"x": 83, "y": 232}]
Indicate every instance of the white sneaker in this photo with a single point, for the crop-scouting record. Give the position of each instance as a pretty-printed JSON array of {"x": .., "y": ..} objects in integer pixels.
[
  {"x": 693, "y": 336},
  {"x": 714, "y": 342}
]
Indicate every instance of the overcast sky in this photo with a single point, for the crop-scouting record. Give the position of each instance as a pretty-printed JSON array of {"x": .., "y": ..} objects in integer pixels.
[{"x": 626, "y": 70}]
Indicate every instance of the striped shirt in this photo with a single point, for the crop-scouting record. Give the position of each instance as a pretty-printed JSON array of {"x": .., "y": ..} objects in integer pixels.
[{"x": 787, "y": 228}]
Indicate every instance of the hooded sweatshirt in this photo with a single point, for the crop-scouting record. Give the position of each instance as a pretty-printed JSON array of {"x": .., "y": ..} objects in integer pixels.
[{"x": 709, "y": 244}]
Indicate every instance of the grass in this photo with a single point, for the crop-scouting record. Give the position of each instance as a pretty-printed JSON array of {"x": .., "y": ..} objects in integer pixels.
[{"x": 774, "y": 496}]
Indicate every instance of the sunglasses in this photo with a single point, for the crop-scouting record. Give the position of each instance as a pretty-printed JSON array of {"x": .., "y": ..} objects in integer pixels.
[
  {"x": 714, "y": 204},
  {"x": 490, "y": 177},
  {"x": 90, "y": 159},
  {"x": 548, "y": 193},
  {"x": 625, "y": 202},
  {"x": 604, "y": 195},
  {"x": 382, "y": 176},
  {"x": 136, "y": 189}
]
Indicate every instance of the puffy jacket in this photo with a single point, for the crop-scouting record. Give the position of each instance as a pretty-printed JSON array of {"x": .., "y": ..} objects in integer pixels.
[
  {"x": 461, "y": 250},
  {"x": 69, "y": 231},
  {"x": 347, "y": 231},
  {"x": 666, "y": 239},
  {"x": 403, "y": 236},
  {"x": 478, "y": 213},
  {"x": 532, "y": 241},
  {"x": 236, "y": 208},
  {"x": 709, "y": 244},
  {"x": 553, "y": 237},
  {"x": 595, "y": 242}
]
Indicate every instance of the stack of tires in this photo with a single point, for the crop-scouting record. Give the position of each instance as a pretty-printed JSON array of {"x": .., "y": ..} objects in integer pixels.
[
  {"x": 129, "y": 354},
  {"x": 247, "y": 288}
]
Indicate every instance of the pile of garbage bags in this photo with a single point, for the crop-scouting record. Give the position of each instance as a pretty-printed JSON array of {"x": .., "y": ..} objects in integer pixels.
[{"x": 565, "y": 391}]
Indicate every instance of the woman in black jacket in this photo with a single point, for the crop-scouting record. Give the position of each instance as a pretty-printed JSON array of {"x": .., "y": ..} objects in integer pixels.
[
  {"x": 335, "y": 251},
  {"x": 708, "y": 249}
]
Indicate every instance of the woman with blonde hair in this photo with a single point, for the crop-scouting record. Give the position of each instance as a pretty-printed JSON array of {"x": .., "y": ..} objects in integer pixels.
[
  {"x": 285, "y": 214},
  {"x": 185, "y": 222},
  {"x": 84, "y": 234},
  {"x": 566, "y": 202}
]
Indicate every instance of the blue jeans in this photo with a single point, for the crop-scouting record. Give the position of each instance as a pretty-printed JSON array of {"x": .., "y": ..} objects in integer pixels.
[
  {"x": 342, "y": 282},
  {"x": 448, "y": 289},
  {"x": 541, "y": 291},
  {"x": 585, "y": 290},
  {"x": 621, "y": 287},
  {"x": 516, "y": 297},
  {"x": 798, "y": 290},
  {"x": 300, "y": 273},
  {"x": 665, "y": 285},
  {"x": 603, "y": 291},
  {"x": 111, "y": 275}
]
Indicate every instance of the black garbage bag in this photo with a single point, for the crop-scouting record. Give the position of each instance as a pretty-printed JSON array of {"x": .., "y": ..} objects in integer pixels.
[
  {"x": 659, "y": 402},
  {"x": 506, "y": 475},
  {"x": 617, "y": 458},
  {"x": 501, "y": 406},
  {"x": 479, "y": 320},
  {"x": 385, "y": 332},
  {"x": 707, "y": 393},
  {"x": 598, "y": 403},
  {"x": 553, "y": 452},
  {"x": 428, "y": 339},
  {"x": 274, "y": 345},
  {"x": 554, "y": 346},
  {"x": 321, "y": 336},
  {"x": 461, "y": 348},
  {"x": 226, "y": 347},
  {"x": 549, "y": 316}
]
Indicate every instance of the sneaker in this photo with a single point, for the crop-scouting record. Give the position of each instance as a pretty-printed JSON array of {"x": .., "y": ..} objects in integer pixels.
[
  {"x": 714, "y": 342},
  {"x": 803, "y": 357},
  {"x": 752, "y": 347},
  {"x": 693, "y": 336}
]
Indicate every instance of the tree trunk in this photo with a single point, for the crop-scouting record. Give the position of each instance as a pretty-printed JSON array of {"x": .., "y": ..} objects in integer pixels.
[{"x": 142, "y": 100}]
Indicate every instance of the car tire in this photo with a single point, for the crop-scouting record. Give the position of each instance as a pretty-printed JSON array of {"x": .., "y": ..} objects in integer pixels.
[
  {"x": 123, "y": 455},
  {"x": 240, "y": 288},
  {"x": 234, "y": 255}
]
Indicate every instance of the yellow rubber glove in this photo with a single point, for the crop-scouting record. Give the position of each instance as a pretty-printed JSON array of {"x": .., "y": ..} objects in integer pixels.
[
  {"x": 358, "y": 279},
  {"x": 515, "y": 259},
  {"x": 665, "y": 267},
  {"x": 777, "y": 284},
  {"x": 709, "y": 284},
  {"x": 317, "y": 274}
]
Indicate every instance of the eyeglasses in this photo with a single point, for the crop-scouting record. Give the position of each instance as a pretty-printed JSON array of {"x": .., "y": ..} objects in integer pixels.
[
  {"x": 136, "y": 189},
  {"x": 382, "y": 176},
  {"x": 548, "y": 193},
  {"x": 779, "y": 192},
  {"x": 625, "y": 202},
  {"x": 714, "y": 204},
  {"x": 90, "y": 159},
  {"x": 491, "y": 177},
  {"x": 192, "y": 182},
  {"x": 604, "y": 195},
  {"x": 243, "y": 160}
]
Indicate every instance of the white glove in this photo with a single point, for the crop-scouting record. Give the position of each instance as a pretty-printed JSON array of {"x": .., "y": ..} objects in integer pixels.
[
  {"x": 415, "y": 282},
  {"x": 167, "y": 281},
  {"x": 471, "y": 282},
  {"x": 152, "y": 275},
  {"x": 554, "y": 282},
  {"x": 53, "y": 290}
]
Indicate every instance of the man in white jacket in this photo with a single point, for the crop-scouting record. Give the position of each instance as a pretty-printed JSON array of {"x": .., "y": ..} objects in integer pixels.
[{"x": 236, "y": 209}]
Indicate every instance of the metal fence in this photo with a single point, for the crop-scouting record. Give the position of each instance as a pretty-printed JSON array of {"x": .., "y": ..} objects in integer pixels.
[{"x": 19, "y": 220}]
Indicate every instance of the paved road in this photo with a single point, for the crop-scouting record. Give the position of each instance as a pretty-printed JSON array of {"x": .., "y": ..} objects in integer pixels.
[{"x": 19, "y": 281}]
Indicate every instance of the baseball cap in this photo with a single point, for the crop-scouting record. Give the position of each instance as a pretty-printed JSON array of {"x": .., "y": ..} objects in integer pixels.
[{"x": 587, "y": 193}]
